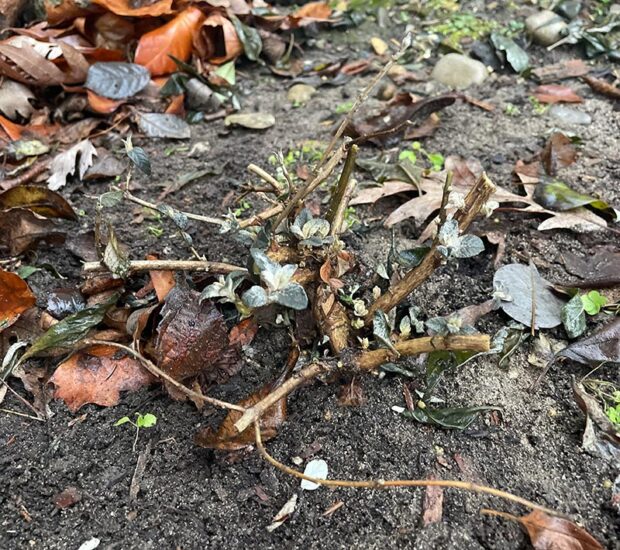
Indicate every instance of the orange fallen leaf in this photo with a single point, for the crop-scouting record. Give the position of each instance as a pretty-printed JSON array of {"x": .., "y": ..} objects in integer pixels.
[
  {"x": 102, "y": 105},
  {"x": 98, "y": 378},
  {"x": 243, "y": 333},
  {"x": 217, "y": 40},
  {"x": 314, "y": 10},
  {"x": 554, "y": 93},
  {"x": 134, "y": 9},
  {"x": 65, "y": 10},
  {"x": 163, "y": 281},
  {"x": 176, "y": 106},
  {"x": 173, "y": 39},
  {"x": 14, "y": 131},
  {"x": 15, "y": 298}
]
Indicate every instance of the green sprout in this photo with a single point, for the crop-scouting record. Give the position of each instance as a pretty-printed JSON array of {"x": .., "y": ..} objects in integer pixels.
[
  {"x": 511, "y": 109},
  {"x": 435, "y": 159},
  {"x": 537, "y": 106},
  {"x": 147, "y": 420},
  {"x": 593, "y": 301}
]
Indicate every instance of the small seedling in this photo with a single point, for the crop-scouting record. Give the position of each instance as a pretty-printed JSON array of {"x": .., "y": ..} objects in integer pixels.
[
  {"x": 537, "y": 106},
  {"x": 511, "y": 109},
  {"x": 436, "y": 159},
  {"x": 147, "y": 420},
  {"x": 593, "y": 301}
]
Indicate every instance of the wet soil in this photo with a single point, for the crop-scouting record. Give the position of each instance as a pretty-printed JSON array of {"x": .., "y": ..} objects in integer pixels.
[{"x": 195, "y": 498}]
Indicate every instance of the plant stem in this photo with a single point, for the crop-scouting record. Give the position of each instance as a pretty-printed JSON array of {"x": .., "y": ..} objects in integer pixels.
[
  {"x": 478, "y": 195},
  {"x": 261, "y": 216},
  {"x": 150, "y": 366},
  {"x": 266, "y": 177},
  {"x": 367, "y": 360},
  {"x": 341, "y": 194},
  {"x": 382, "y": 484},
  {"x": 168, "y": 265},
  {"x": 153, "y": 206}
]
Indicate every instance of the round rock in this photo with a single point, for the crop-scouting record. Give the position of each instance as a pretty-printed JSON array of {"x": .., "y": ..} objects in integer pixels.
[
  {"x": 545, "y": 27},
  {"x": 459, "y": 71}
]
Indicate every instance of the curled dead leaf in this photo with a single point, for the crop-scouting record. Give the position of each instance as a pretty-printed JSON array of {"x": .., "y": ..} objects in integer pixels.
[
  {"x": 217, "y": 40},
  {"x": 15, "y": 298}
]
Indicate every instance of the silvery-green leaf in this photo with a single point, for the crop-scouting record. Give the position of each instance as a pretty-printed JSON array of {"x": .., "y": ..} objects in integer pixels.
[
  {"x": 381, "y": 330},
  {"x": 110, "y": 199},
  {"x": 438, "y": 325},
  {"x": 574, "y": 317},
  {"x": 214, "y": 290},
  {"x": 278, "y": 277},
  {"x": 302, "y": 219},
  {"x": 515, "y": 55},
  {"x": 262, "y": 261},
  {"x": 114, "y": 257},
  {"x": 140, "y": 159},
  {"x": 255, "y": 297},
  {"x": 293, "y": 296},
  {"x": 522, "y": 283},
  {"x": 444, "y": 251},
  {"x": 467, "y": 246},
  {"x": 449, "y": 233},
  {"x": 117, "y": 80},
  {"x": 405, "y": 327}
]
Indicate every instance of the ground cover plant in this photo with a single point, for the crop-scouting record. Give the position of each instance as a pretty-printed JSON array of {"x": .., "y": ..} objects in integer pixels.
[{"x": 261, "y": 296}]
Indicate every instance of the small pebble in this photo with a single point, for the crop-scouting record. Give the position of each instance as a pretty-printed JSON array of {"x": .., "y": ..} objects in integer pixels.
[
  {"x": 569, "y": 115},
  {"x": 545, "y": 27},
  {"x": 459, "y": 71}
]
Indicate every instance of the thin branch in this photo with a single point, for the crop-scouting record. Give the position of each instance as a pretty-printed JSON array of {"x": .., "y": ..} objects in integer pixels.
[
  {"x": 261, "y": 217},
  {"x": 367, "y": 360},
  {"x": 266, "y": 177},
  {"x": 136, "y": 266},
  {"x": 153, "y": 206},
  {"x": 305, "y": 190},
  {"x": 383, "y": 484},
  {"x": 150, "y": 366},
  {"x": 341, "y": 194},
  {"x": 361, "y": 99},
  {"x": 476, "y": 198}
]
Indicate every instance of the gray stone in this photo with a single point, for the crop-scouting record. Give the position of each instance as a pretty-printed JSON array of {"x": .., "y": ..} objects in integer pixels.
[
  {"x": 459, "y": 71},
  {"x": 300, "y": 94},
  {"x": 568, "y": 115},
  {"x": 545, "y": 27}
]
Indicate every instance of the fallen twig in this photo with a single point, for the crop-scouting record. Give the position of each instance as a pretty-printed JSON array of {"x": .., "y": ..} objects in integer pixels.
[
  {"x": 383, "y": 484},
  {"x": 138, "y": 474},
  {"x": 26, "y": 177}
]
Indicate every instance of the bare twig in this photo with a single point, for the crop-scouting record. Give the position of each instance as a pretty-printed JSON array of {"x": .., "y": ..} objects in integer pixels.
[
  {"x": 150, "y": 366},
  {"x": 364, "y": 361},
  {"x": 261, "y": 216},
  {"x": 138, "y": 474},
  {"x": 26, "y": 177},
  {"x": 474, "y": 201},
  {"x": 266, "y": 177},
  {"x": 321, "y": 176},
  {"x": 384, "y": 484},
  {"x": 136, "y": 266},
  {"x": 153, "y": 206},
  {"x": 341, "y": 195}
]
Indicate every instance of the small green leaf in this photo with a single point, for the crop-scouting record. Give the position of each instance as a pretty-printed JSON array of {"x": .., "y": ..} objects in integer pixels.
[
  {"x": 593, "y": 301},
  {"x": 437, "y": 160},
  {"x": 227, "y": 72},
  {"x": 573, "y": 317},
  {"x": 249, "y": 37},
  {"x": 146, "y": 421},
  {"x": 408, "y": 155},
  {"x": 122, "y": 421},
  {"x": 26, "y": 270},
  {"x": 559, "y": 197},
  {"x": 515, "y": 55}
]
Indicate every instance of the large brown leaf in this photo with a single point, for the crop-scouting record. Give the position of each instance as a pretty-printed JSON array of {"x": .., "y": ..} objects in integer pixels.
[
  {"x": 552, "y": 533},
  {"x": 24, "y": 63},
  {"x": 40, "y": 200},
  {"x": 21, "y": 230},
  {"x": 173, "y": 39},
  {"x": 98, "y": 376},
  {"x": 15, "y": 298},
  {"x": 192, "y": 339}
]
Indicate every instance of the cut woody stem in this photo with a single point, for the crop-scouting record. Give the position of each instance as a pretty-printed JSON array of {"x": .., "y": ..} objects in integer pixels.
[
  {"x": 341, "y": 195},
  {"x": 168, "y": 265},
  {"x": 383, "y": 484},
  {"x": 364, "y": 361},
  {"x": 474, "y": 201}
]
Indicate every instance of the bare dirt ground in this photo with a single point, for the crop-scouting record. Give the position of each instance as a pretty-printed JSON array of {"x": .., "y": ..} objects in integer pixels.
[{"x": 194, "y": 498}]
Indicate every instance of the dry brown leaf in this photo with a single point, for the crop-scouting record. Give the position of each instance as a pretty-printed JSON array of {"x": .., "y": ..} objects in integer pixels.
[
  {"x": 552, "y": 533},
  {"x": 217, "y": 40},
  {"x": 432, "y": 505},
  {"x": 192, "y": 339},
  {"x": 227, "y": 438},
  {"x": 64, "y": 164},
  {"x": 569, "y": 68},
  {"x": 243, "y": 333},
  {"x": 15, "y": 99},
  {"x": 21, "y": 230},
  {"x": 163, "y": 281},
  {"x": 98, "y": 378},
  {"x": 137, "y": 8},
  {"x": 554, "y": 93},
  {"x": 172, "y": 39},
  {"x": 38, "y": 199},
  {"x": 21, "y": 61},
  {"x": 15, "y": 298},
  {"x": 602, "y": 87},
  {"x": 559, "y": 152},
  {"x": 314, "y": 10}
]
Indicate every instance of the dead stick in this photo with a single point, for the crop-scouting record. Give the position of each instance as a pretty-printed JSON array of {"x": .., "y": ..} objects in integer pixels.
[
  {"x": 136, "y": 266},
  {"x": 261, "y": 216},
  {"x": 266, "y": 177},
  {"x": 150, "y": 366},
  {"x": 153, "y": 206},
  {"x": 304, "y": 191},
  {"x": 341, "y": 195},
  {"x": 476, "y": 198},
  {"x": 138, "y": 473},
  {"x": 383, "y": 484},
  {"x": 365, "y": 361},
  {"x": 26, "y": 177}
]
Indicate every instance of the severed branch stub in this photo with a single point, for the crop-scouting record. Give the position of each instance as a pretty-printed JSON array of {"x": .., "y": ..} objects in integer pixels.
[
  {"x": 365, "y": 361},
  {"x": 478, "y": 195}
]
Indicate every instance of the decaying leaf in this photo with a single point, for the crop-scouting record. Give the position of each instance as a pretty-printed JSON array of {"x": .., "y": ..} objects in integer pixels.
[
  {"x": 602, "y": 270},
  {"x": 432, "y": 505},
  {"x": 602, "y": 345},
  {"x": 98, "y": 376},
  {"x": 15, "y": 298},
  {"x": 217, "y": 40},
  {"x": 138, "y": 8},
  {"x": 227, "y": 438},
  {"x": 529, "y": 299},
  {"x": 568, "y": 68},
  {"x": 21, "y": 230},
  {"x": 115, "y": 80},
  {"x": 38, "y": 199},
  {"x": 285, "y": 512},
  {"x": 163, "y": 281},
  {"x": 557, "y": 195},
  {"x": 351, "y": 394},
  {"x": 253, "y": 121},
  {"x": 15, "y": 99},
  {"x": 192, "y": 339},
  {"x": 164, "y": 126},
  {"x": 554, "y": 93},
  {"x": 559, "y": 152},
  {"x": 64, "y": 164},
  {"x": 548, "y": 533}
]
